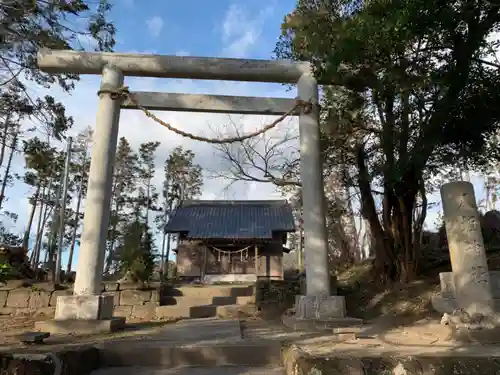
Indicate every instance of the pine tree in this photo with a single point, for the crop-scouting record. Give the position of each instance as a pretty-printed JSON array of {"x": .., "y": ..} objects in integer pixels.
[
  {"x": 124, "y": 186},
  {"x": 137, "y": 253},
  {"x": 147, "y": 196},
  {"x": 183, "y": 179},
  {"x": 80, "y": 174}
]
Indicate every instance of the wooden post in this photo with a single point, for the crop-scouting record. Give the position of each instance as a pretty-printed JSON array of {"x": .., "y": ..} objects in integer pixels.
[{"x": 256, "y": 262}]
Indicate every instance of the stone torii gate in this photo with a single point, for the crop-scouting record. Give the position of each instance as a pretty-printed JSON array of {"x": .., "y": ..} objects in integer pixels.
[{"x": 87, "y": 305}]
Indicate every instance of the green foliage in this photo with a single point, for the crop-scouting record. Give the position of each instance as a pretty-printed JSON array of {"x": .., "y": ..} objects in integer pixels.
[
  {"x": 28, "y": 26},
  {"x": 171, "y": 272},
  {"x": 9, "y": 238},
  {"x": 428, "y": 57},
  {"x": 408, "y": 77},
  {"x": 123, "y": 199},
  {"x": 137, "y": 252},
  {"x": 147, "y": 196},
  {"x": 183, "y": 176},
  {"x": 277, "y": 292},
  {"x": 5, "y": 272}
]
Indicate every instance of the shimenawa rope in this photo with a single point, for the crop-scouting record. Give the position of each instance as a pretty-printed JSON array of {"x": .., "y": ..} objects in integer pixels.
[{"x": 124, "y": 93}]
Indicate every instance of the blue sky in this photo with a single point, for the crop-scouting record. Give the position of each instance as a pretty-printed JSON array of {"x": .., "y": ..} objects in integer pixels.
[
  {"x": 193, "y": 27},
  {"x": 221, "y": 28}
]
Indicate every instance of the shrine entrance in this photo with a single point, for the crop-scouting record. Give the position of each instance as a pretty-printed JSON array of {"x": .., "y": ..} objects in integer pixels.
[{"x": 114, "y": 95}]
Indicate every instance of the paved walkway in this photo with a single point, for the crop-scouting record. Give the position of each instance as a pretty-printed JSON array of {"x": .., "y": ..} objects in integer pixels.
[{"x": 203, "y": 336}]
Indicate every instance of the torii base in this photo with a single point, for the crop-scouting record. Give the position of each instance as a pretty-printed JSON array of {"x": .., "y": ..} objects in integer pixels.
[{"x": 84, "y": 315}]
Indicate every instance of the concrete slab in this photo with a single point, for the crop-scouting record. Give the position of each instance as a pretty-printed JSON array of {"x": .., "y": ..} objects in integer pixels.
[
  {"x": 193, "y": 332},
  {"x": 196, "y": 332},
  {"x": 226, "y": 370},
  {"x": 296, "y": 324},
  {"x": 244, "y": 354},
  {"x": 81, "y": 327},
  {"x": 200, "y": 342}
]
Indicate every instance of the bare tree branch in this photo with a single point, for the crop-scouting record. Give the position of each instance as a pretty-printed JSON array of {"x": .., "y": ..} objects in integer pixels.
[{"x": 267, "y": 159}]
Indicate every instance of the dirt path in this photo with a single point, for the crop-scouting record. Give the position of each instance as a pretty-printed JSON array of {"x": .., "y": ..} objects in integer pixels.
[{"x": 12, "y": 327}]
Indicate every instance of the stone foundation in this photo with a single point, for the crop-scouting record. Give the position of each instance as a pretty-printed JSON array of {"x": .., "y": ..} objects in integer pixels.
[
  {"x": 230, "y": 278},
  {"x": 98, "y": 307},
  {"x": 322, "y": 307},
  {"x": 81, "y": 326},
  {"x": 446, "y": 300}
]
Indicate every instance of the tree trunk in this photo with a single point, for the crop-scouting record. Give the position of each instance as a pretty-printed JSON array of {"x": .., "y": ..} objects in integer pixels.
[
  {"x": 38, "y": 229},
  {"x": 148, "y": 194},
  {"x": 34, "y": 201},
  {"x": 384, "y": 262},
  {"x": 7, "y": 169},
  {"x": 75, "y": 229},
  {"x": 353, "y": 233},
  {"x": 167, "y": 254},
  {"x": 5, "y": 134},
  {"x": 44, "y": 209}
]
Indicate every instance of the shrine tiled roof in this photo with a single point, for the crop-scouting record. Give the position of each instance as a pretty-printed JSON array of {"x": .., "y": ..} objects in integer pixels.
[{"x": 200, "y": 219}]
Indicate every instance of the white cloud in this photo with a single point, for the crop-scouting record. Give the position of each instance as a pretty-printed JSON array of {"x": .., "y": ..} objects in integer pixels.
[
  {"x": 241, "y": 31},
  {"x": 155, "y": 25},
  {"x": 182, "y": 53}
]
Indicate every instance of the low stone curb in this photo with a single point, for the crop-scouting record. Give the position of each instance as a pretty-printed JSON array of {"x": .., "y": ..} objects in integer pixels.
[
  {"x": 77, "y": 361},
  {"x": 297, "y": 362}
]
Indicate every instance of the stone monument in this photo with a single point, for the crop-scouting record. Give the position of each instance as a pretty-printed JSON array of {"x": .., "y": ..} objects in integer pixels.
[
  {"x": 473, "y": 316},
  {"x": 471, "y": 279}
]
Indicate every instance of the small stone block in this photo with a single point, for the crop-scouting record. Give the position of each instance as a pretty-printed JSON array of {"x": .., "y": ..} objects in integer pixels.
[
  {"x": 341, "y": 330},
  {"x": 346, "y": 336},
  {"x": 81, "y": 327},
  {"x": 33, "y": 337}
]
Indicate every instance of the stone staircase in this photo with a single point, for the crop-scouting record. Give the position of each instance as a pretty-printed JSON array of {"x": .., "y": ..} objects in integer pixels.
[
  {"x": 198, "y": 346},
  {"x": 204, "y": 301}
]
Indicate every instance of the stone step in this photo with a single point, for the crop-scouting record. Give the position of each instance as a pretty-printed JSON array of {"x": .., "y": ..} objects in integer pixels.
[
  {"x": 223, "y": 370},
  {"x": 202, "y": 311},
  {"x": 165, "y": 356},
  {"x": 209, "y": 291},
  {"x": 206, "y": 300}
]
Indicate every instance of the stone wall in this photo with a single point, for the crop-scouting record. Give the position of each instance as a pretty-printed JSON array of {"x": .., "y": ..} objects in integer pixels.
[
  {"x": 40, "y": 299},
  {"x": 131, "y": 302}
]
